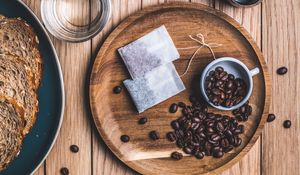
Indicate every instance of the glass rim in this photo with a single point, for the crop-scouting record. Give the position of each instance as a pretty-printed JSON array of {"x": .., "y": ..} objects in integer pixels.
[{"x": 97, "y": 25}]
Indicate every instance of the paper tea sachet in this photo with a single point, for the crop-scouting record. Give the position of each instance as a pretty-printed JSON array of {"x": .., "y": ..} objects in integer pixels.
[
  {"x": 155, "y": 87},
  {"x": 148, "y": 52}
]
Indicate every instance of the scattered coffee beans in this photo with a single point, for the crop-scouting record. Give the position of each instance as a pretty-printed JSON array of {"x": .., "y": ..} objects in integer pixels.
[
  {"x": 154, "y": 135},
  {"x": 125, "y": 138},
  {"x": 242, "y": 114},
  {"x": 74, "y": 148},
  {"x": 117, "y": 89},
  {"x": 64, "y": 171},
  {"x": 287, "y": 124},
  {"x": 224, "y": 89},
  {"x": 173, "y": 108},
  {"x": 282, "y": 70},
  {"x": 176, "y": 155},
  {"x": 143, "y": 120},
  {"x": 200, "y": 133},
  {"x": 271, "y": 117}
]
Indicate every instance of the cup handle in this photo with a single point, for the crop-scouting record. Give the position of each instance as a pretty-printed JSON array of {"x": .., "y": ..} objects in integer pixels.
[{"x": 254, "y": 71}]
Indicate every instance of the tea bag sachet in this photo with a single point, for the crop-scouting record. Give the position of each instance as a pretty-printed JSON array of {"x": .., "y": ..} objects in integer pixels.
[
  {"x": 155, "y": 87},
  {"x": 148, "y": 52}
]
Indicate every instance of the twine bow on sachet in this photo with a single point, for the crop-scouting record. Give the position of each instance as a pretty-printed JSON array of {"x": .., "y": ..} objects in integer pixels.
[{"x": 199, "y": 39}]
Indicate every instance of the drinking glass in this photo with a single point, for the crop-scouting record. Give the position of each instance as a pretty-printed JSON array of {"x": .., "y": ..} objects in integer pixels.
[{"x": 75, "y": 20}]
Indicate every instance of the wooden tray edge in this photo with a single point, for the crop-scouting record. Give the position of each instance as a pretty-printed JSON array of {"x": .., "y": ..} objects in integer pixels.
[{"x": 126, "y": 22}]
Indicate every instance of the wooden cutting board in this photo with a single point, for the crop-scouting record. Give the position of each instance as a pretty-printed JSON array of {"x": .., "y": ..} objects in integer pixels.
[{"x": 115, "y": 114}]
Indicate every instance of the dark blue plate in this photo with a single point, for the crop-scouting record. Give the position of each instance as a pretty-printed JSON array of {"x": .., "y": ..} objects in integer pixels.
[{"x": 40, "y": 140}]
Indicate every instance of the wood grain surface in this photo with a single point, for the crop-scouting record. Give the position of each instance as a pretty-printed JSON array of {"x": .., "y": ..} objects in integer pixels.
[{"x": 274, "y": 23}]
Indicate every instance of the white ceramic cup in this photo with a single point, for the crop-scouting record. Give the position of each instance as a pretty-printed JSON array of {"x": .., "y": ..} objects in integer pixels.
[{"x": 231, "y": 66}]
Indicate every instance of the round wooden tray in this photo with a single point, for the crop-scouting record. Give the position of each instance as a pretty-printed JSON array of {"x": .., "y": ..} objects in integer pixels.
[{"x": 115, "y": 114}]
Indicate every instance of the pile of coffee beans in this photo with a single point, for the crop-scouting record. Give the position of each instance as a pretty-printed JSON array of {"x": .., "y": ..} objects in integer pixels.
[
  {"x": 201, "y": 133},
  {"x": 242, "y": 114},
  {"x": 224, "y": 89}
]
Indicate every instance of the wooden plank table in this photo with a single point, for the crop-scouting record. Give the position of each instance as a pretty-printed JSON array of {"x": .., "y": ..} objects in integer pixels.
[{"x": 274, "y": 26}]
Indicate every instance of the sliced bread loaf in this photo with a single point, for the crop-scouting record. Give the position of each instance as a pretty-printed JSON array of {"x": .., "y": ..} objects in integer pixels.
[
  {"x": 15, "y": 83},
  {"x": 19, "y": 39},
  {"x": 11, "y": 126}
]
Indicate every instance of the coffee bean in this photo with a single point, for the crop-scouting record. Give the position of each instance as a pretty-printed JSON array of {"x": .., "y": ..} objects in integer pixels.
[
  {"x": 282, "y": 70},
  {"x": 287, "y": 124},
  {"x": 218, "y": 154},
  {"x": 199, "y": 155},
  {"x": 239, "y": 129},
  {"x": 211, "y": 73},
  {"x": 218, "y": 83},
  {"x": 171, "y": 136},
  {"x": 195, "y": 126},
  {"x": 229, "y": 85},
  {"x": 248, "y": 109},
  {"x": 179, "y": 133},
  {"x": 175, "y": 125},
  {"x": 74, "y": 148},
  {"x": 142, "y": 120},
  {"x": 231, "y": 77},
  {"x": 187, "y": 150},
  {"x": 237, "y": 141},
  {"x": 220, "y": 127},
  {"x": 216, "y": 91},
  {"x": 173, "y": 108},
  {"x": 117, "y": 89},
  {"x": 196, "y": 119},
  {"x": 153, "y": 135},
  {"x": 181, "y": 104},
  {"x": 224, "y": 143},
  {"x": 215, "y": 137},
  {"x": 224, "y": 77},
  {"x": 271, "y": 117},
  {"x": 210, "y": 130},
  {"x": 125, "y": 138},
  {"x": 176, "y": 155},
  {"x": 180, "y": 143},
  {"x": 64, "y": 171},
  {"x": 219, "y": 69}
]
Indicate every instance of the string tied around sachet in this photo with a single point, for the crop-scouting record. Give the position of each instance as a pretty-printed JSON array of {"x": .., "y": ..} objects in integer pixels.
[{"x": 201, "y": 40}]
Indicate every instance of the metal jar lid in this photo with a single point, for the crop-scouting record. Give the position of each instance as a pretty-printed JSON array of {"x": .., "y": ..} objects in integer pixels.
[
  {"x": 244, "y": 3},
  {"x": 75, "y": 20}
]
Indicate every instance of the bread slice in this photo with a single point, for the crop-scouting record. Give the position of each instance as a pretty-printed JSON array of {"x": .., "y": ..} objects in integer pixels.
[
  {"x": 15, "y": 83},
  {"x": 11, "y": 126},
  {"x": 19, "y": 39}
]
